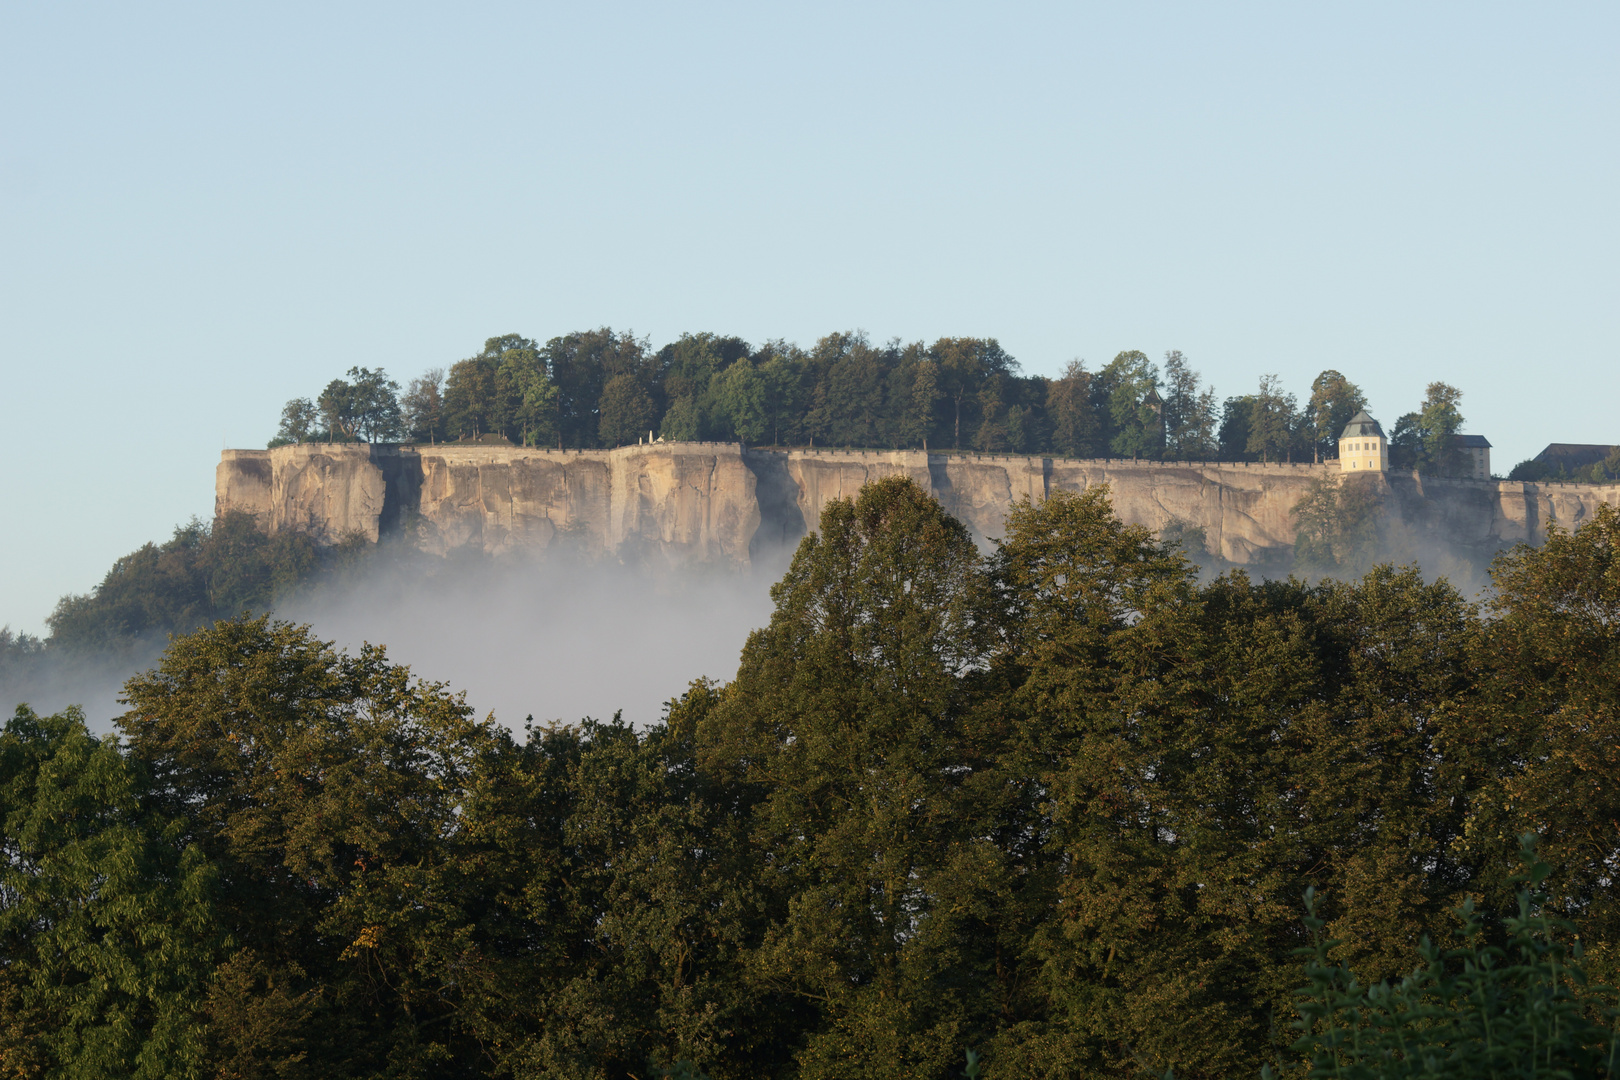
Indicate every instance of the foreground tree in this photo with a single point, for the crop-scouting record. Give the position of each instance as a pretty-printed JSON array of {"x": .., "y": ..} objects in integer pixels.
[
  {"x": 845, "y": 719},
  {"x": 1189, "y": 758},
  {"x": 322, "y": 787},
  {"x": 1522, "y": 1009},
  {"x": 1543, "y": 724},
  {"x": 1056, "y": 804},
  {"x": 107, "y": 923}
]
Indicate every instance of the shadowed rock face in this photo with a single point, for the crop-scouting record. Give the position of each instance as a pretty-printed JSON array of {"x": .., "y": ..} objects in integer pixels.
[{"x": 716, "y": 503}]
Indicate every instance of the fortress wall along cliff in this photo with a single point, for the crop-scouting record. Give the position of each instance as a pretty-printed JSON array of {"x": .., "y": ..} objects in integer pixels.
[{"x": 719, "y": 503}]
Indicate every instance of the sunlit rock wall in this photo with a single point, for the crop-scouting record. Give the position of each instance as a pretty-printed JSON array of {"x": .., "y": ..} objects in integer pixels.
[{"x": 717, "y": 503}]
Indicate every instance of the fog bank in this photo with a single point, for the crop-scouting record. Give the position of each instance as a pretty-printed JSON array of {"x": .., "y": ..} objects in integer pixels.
[{"x": 556, "y": 641}]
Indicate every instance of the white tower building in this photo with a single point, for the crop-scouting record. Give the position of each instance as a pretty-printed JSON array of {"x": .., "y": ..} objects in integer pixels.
[{"x": 1362, "y": 445}]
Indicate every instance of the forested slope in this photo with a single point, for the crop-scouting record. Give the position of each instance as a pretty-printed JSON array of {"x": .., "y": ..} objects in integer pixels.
[{"x": 1059, "y": 804}]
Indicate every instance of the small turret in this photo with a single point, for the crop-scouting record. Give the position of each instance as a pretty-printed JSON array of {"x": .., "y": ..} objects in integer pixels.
[{"x": 1362, "y": 445}]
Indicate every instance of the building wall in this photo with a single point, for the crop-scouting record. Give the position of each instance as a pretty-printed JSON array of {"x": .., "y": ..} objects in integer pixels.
[{"x": 1362, "y": 453}]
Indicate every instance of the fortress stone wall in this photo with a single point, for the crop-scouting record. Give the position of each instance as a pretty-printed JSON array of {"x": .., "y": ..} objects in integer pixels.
[{"x": 718, "y": 503}]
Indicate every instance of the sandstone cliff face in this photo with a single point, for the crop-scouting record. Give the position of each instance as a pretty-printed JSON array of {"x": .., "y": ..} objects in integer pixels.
[
  {"x": 691, "y": 502},
  {"x": 329, "y": 491},
  {"x": 715, "y": 503}
]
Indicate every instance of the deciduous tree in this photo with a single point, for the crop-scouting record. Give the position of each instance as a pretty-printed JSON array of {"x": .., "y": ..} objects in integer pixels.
[
  {"x": 1334, "y": 400},
  {"x": 107, "y": 918},
  {"x": 1271, "y": 420},
  {"x": 1075, "y": 428},
  {"x": 299, "y": 418},
  {"x": 1438, "y": 423},
  {"x": 322, "y": 786},
  {"x": 423, "y": 407},
  {"x": 1137, "y": 427},
  {"x": 1189, "y": 412}
]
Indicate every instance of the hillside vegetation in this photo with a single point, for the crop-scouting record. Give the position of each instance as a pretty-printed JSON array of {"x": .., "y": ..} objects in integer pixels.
[{"x": 1059, "y": 805}]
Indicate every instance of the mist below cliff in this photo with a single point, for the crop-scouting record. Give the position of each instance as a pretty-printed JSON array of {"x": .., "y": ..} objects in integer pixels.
[
  {"x": 555, "y": 640},
  {"x": 562, "y": 637},
  {"x": 51, "y": 681}
]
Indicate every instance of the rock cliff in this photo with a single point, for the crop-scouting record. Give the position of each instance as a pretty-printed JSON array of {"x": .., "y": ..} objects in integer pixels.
[{"x": 717, "y": 503}]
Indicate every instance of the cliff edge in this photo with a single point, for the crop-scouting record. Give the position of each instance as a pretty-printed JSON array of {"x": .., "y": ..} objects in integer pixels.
[{"x": 718, "y": 503}]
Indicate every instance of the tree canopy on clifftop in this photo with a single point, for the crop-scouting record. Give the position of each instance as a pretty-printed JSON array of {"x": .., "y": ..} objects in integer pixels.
[{"x": 602, "y": 388}]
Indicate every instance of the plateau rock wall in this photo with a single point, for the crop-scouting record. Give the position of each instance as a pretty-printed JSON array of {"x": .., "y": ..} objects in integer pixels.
[{"x": 718, "y": 503}]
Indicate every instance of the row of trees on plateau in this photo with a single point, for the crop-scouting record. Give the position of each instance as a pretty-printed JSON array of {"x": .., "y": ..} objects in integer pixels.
[
  {"x": 1058, "y": 804},
  {"x": 600, "y": 388}
]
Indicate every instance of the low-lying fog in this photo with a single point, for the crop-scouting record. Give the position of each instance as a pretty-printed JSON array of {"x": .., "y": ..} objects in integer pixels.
[
  {"x": 554, "y": 641},
  {"x": 549, "y": 639},
  {"x": 558, "y": 642}
]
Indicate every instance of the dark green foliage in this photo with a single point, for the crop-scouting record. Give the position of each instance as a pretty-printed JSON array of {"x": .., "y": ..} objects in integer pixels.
[
  {"x": 365, "y": 408},
  {"x": 205, "y": 572},
  {"x": 843, "y": 731},
  {"x": 1237, "y": 416},
  {"x": 1533, "y": 471},
  {"x": 107, "y": 924},
  {"x": 1406, "y": 443},
  {"x": 1334, "y": 400},
  {"x": 1136, "y": 425},
  {"x": 1272, "y": 421},
  {"x": 581, "y": 365},
  {"x": 1541, "y": 730},
  {"x": 505, "y": 391},
  {"x": 1477, "y": 1012},
  {"x": 1076, "y": 427},
  {"x": 603, "y": 388},
  {"x": 1598, "y": 472},
  {"x": 1056, "y": 804},
  {"x": 1423, "y": 440},
  {"x": 422, "y": 410},
  {"x": 299, "y": 423},
  {"x": 20, "y": 655},
  {"x": 327, "y": 789},
  {"x": 1189, "y": 413},
  {"x": 1438, "y": 420},
  {"x": 627, "y": 410}
]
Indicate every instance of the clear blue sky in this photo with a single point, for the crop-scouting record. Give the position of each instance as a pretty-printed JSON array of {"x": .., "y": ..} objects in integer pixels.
[{"x": 207, "y": 209}]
